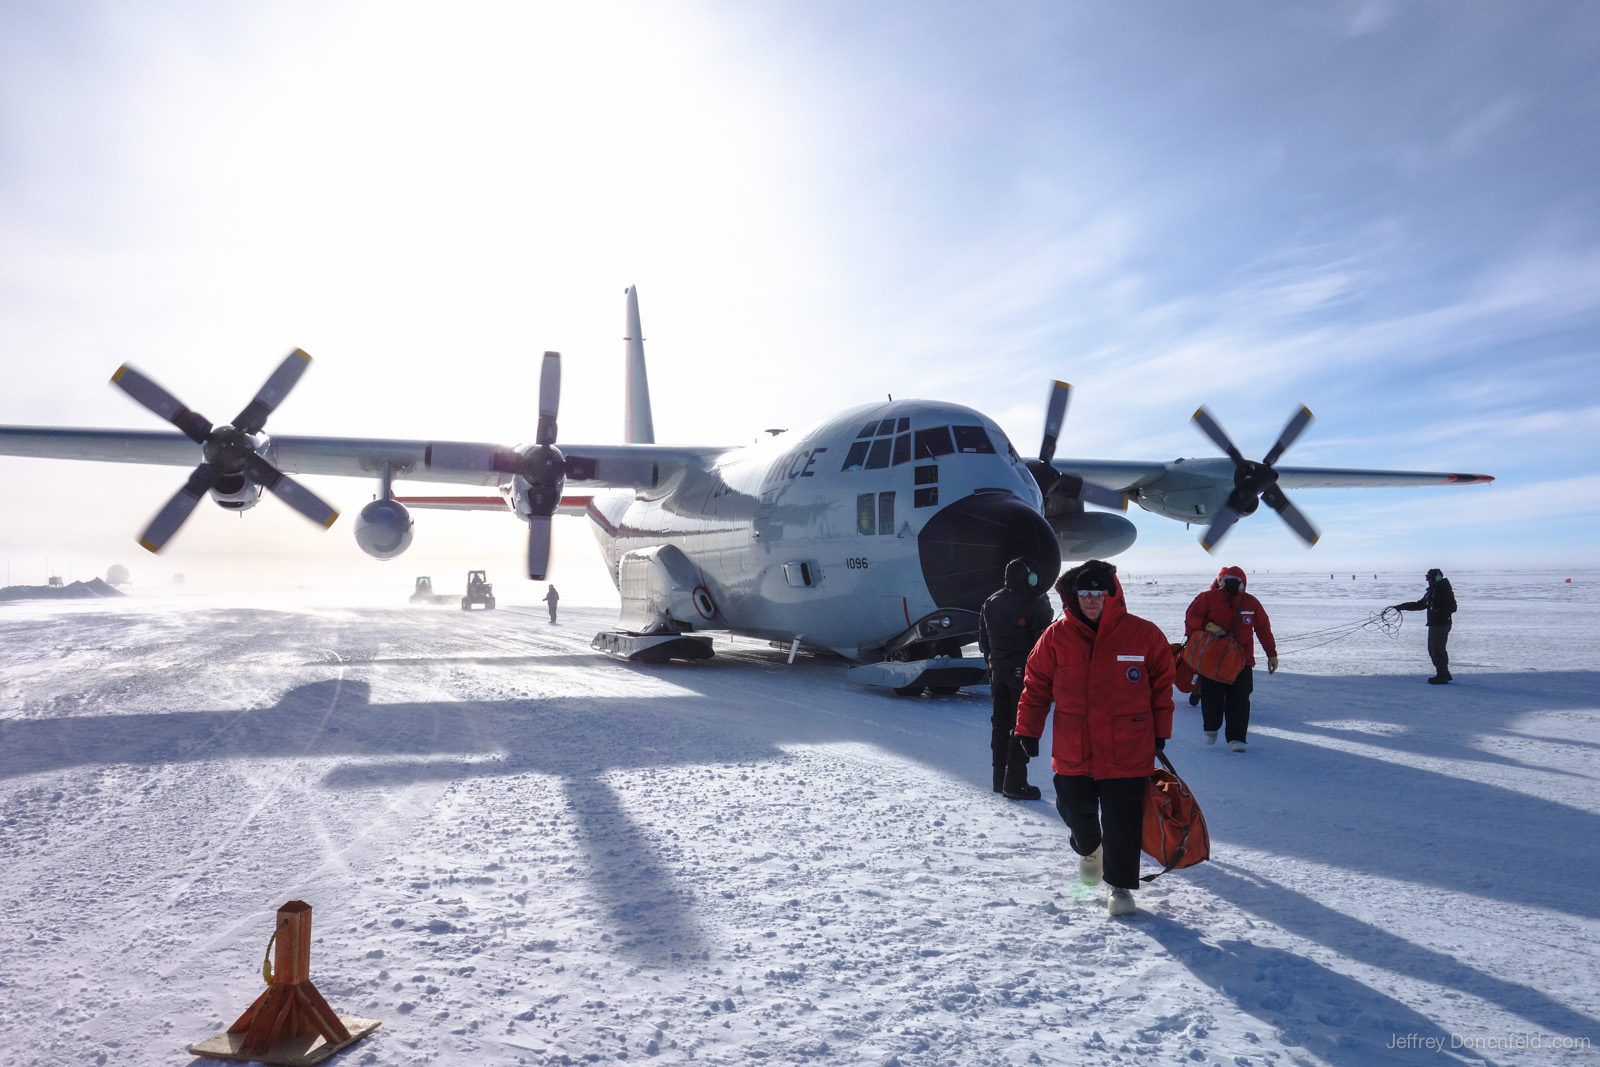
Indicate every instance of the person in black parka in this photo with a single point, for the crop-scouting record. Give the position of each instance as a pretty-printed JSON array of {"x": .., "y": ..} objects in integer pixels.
[
  {"x": 1009, "y": 625},
  {"x": 1440, "y": 603}
]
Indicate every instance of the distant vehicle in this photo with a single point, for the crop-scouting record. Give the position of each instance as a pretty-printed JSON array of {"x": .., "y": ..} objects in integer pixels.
[
  {"x": 479, "y": 591},
  {"x": 875, "y": 534},
  {"x": 424, "y": 594}
]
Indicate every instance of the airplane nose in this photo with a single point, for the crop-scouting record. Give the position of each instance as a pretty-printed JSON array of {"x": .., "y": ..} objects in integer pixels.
[{"x": 964, "y": 548}]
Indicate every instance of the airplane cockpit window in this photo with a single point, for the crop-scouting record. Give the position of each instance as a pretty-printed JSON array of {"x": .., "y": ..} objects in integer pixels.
[
  {"x": 873, "y": 448},
  {"x": 972, "y": 439},
  {"x": 934, "y": 442},
  {"x": 866, "y": 514}
]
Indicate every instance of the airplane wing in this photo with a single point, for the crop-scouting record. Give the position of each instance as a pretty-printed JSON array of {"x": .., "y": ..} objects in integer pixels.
[
  {"x": 1123, "y": 476},
  {"x": 459, "y": 462},
  {"x": 1117, "y": 475},
  {"x": 570, "y": 505},
  {"x": 1346, "y": 478}
]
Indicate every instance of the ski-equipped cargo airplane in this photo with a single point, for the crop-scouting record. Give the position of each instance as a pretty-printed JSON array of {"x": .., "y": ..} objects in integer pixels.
[{"x": 875, "y": 534}]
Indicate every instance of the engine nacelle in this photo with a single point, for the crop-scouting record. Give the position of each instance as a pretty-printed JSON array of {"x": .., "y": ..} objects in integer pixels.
[
  {"x": 1093, "y": 534},
  {"x": 383, "y": 529}
]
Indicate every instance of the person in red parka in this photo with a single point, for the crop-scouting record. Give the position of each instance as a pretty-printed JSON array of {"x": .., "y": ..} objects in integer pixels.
[
  {"x": 1227, "y": 608},
  {"x": 1109, "y": 674}
]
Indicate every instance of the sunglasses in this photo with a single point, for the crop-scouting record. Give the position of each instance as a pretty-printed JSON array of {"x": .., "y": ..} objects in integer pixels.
[{"x": 1094, "y": 592}]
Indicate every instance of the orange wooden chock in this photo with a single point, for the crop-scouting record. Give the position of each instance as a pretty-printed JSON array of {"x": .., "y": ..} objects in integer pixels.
[{"x": 290, "y": 1022}]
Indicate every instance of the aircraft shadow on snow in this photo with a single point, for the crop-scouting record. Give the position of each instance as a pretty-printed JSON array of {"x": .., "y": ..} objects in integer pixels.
[
  {"x": 1414, "y": 825},
  {"x": 1338, "y": 1018}
]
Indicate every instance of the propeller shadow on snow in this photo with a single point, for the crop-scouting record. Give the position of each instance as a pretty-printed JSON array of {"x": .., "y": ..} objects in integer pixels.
[
  {"x": 1365, "y": 943},
  {"x": 1391, "y": 820},
  {"x": 1335, "y": 1017}
]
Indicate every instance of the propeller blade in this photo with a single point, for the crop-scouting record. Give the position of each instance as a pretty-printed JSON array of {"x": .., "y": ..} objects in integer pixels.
[
  {"x": 1292, "y": 516},
  {"x": 163, "y": 403},
  {"x": 255, "y": 413},
  {"x": 1212, "y": 429},
  {"x": 1055, "y": 413},
  {"x": 292, "y": 492},
  {"x": 179, "y": 508},
  {"x": 1291, "y": 433},
  {"x": 549, "y": 397},
  {"x": 1106, "y": 498},
  {"x": 538, "y": 547},
  {"x": 1219, "y": 528}
]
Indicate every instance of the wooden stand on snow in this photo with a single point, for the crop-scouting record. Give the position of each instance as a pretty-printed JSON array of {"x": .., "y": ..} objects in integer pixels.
[{"x": 289, "y": 1023}]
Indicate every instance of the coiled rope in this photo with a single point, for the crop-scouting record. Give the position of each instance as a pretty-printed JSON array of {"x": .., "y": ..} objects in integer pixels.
[{"x": 1386, "y": 622}]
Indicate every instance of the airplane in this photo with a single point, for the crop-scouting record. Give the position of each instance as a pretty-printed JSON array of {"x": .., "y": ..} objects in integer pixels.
[{"x": 875, "y": 534}]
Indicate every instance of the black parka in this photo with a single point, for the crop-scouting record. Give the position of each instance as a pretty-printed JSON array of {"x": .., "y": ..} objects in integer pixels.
[
  {"x": 1011, "y": 621},
  {"x": 1439, "y": 601}
]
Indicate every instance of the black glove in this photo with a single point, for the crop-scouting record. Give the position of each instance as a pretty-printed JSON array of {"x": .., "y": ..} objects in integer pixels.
[
  {"x": 1161, "y": 744},
  {"x": 1029, "y": 746}
]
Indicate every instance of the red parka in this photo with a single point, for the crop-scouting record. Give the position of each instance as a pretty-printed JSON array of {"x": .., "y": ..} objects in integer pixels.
[
  {"x": 1242, "y": 616},
  {"x": 1112, "y": 690}
]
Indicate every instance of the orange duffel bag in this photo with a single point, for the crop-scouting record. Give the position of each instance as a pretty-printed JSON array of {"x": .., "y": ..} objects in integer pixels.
[
  {"x": 1215, "y": 656},
  {"x": 1186, "y": 680},
  {"x": 1175, "y": 832}
]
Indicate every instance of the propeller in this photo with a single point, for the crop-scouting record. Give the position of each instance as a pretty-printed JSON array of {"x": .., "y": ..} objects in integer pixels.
[
  {"x": 542, "y": 466},
  {"x": 1256, "y": 483},
  {"x": 231, "y": 454},
  {"x": 1065, "y": 492}
]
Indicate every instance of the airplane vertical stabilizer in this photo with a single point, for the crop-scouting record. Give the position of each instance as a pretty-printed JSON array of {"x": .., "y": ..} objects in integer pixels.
[{"x": 638, "y": 428}]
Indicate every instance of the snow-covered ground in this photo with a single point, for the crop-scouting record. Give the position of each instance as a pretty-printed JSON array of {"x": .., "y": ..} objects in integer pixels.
[{"x": 519, "y": 852}]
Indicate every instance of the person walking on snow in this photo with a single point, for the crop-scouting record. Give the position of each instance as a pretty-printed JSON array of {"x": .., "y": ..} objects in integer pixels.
[
  {"x": 1440, "y": 603},
  {"x": 550, "y": 598},
  {"x": 1009, "y": 625},
  {"x": 1109, "y": 674},
  {"x": 1227, "y": 608}
]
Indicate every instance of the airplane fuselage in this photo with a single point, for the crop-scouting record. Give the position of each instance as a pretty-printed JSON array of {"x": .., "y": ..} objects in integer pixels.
[{"x": 839, "y": 535}]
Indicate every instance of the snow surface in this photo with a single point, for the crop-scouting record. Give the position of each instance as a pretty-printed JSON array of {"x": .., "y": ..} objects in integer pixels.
[{"x": 520, "y": 852}]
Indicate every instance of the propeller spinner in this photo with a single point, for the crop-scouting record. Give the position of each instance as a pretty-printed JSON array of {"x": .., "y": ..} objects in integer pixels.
[
  {"x": 1256, "y": 483},
  {"x": 230, "y": 453}
]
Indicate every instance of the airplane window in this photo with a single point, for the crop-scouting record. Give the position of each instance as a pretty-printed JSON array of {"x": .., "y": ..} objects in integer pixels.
[
  {"x": 934, "y": 442},
  {"x": 856, "y": 456},
  {"x": 886, "y": 426},
  {"x": 885, "y": 513},
  {"x": 903, "y": 425},
  {"x": 972, "y": 439},
  {"x": 927, "y": 475},
  {"x": 902, "y": 449},
  {"x": 868, "y": 430},
  {"x": 865, "y": 516},
  {"x": 879, "y": 456},
  {"x": 927, "y": 497}
]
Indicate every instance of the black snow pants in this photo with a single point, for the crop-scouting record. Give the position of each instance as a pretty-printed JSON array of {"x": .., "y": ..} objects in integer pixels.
[
  {"x": 1004, "y": 692},
  {"x": 1225, "y": 703},
  {"x": 1438, "y": 637},
  {"x": 1108, "y": 811}
]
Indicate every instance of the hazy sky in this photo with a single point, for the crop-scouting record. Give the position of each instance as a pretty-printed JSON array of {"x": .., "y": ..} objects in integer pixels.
[{"x": 1385, "y": 211}]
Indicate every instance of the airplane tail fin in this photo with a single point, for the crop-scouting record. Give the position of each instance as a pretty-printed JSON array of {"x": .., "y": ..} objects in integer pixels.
[{"x": 638, "y": 428}]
